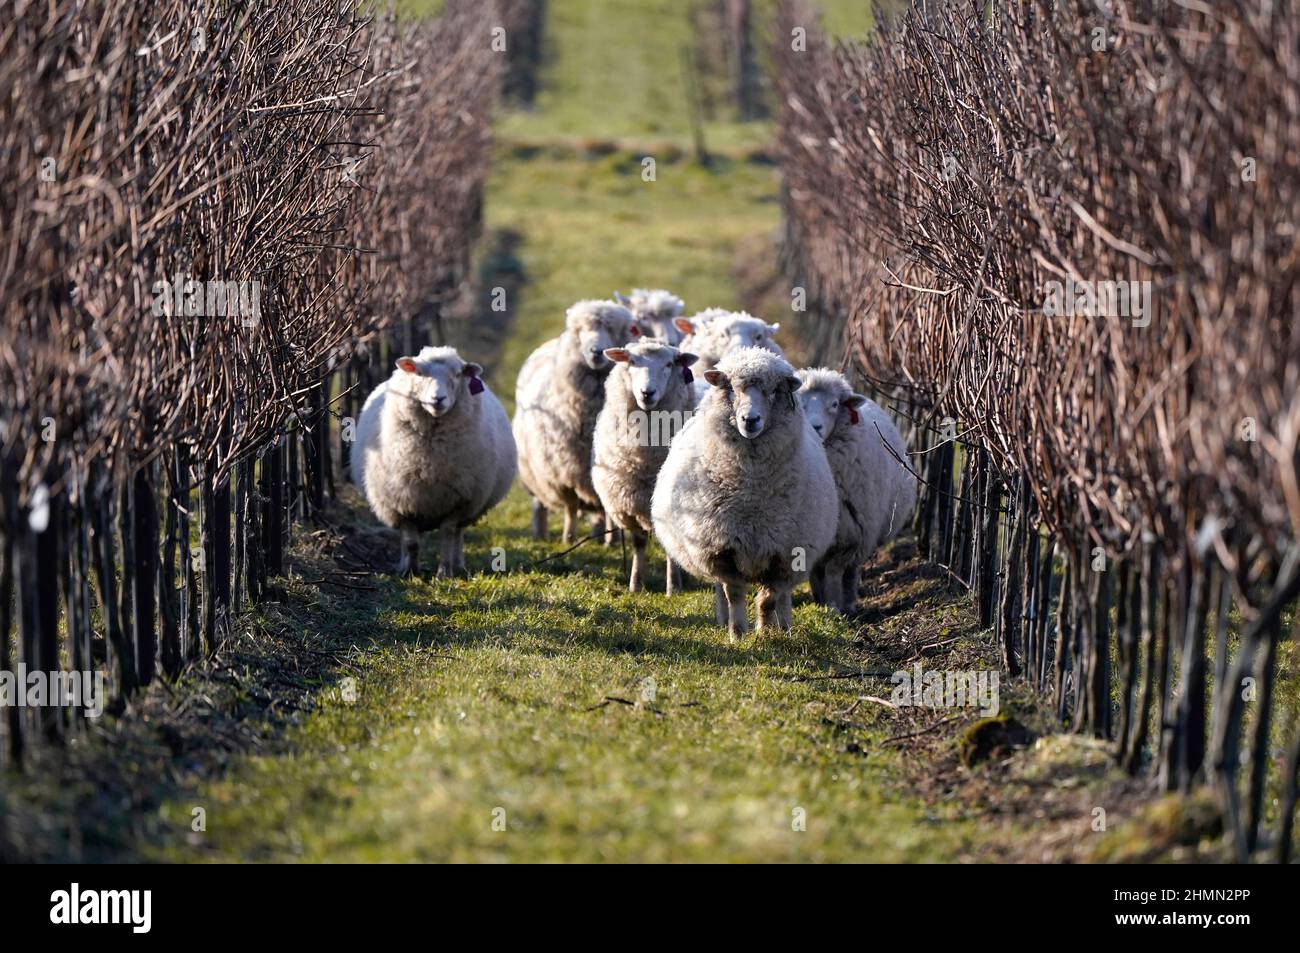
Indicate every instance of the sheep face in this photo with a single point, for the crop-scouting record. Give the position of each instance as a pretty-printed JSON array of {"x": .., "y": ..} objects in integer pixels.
[
  {"x": 650, "y": 368},
  {"x": 745, "y": 331},
  {"x": 656, "y": 310},
  {"x": 828, "y": 401},
  {"x": 437, "y": 378},
  {"x": 754, "y": 390},
  {"x": 599, "y": 326},
  {"x": 698, "y": 322},
  {"x": 828, "y": 409}
]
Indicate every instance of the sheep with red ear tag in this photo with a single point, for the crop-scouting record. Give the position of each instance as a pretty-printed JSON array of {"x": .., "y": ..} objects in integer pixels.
[
  {"x": 433, "y": 451},
  {"x": 715, "y": 333},
  {"x": 648, "y": 399},
  {"x": 745, "y": 495},
  {"x": 560, "y": 391},
  {"x": 656, "y": 311},
  {"x": 876, "y": 488}
]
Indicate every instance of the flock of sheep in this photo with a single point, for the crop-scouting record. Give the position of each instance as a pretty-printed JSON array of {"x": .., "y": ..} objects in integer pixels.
[{"x": 773, "y": 474}]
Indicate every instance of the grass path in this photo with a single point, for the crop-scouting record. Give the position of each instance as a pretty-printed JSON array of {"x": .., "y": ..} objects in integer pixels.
[
  {"x": 486, "y": 703},
  {"x": 541, "y": 712}
]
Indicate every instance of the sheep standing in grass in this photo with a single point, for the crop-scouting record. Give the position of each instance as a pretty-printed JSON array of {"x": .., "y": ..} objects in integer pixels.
[
  {"x": 715, "y": 333},
  {"x": 433, "y": 450},
  {"x": 746, "y": 495},
  {"x": 876, "y": 491},
  {"x": 560, "y": 391},
  {"x": 648, "y": 398},
  {"x": 656, "y": 311}
]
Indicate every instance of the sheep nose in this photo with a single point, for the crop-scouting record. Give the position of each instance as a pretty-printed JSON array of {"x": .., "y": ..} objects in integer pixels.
[
  {"x": 648, "y": 394},
  {"x": 818, "y": 428},
  {"x": 439, "y": 400},
  {"x": 751, "y": 421}
]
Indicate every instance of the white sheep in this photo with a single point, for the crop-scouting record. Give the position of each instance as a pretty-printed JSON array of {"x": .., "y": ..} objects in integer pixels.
[
  {"x": 433, "y": 450},
  {"x": 876, "y": 491},
  {"x": 746, "y": 495},
  {"x": 715, "y": 332},
  {"x": 648, "y": 398},
  {"x": 560, "y": 391},
  {"x": 656, "y": 310}
]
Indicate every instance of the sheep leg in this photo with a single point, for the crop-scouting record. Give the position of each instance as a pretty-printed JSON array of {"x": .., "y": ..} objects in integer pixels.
[
  {"x": 408, "y": 564},
  {"x": 539, "y": 519},
  {"x": 570, "y": 518},
  {"x": 785, "y": 609},
  {"x": 738, "y": 621},
  {"x": 458, "y": 552},
  {"x": 850, "y": 584},
  {"x": 720, "y": 600},
  {"x": 832, "y": 587},
  {"x": 602, "y": 529},
  {"x": 817, "y": 581},
  {"x": 765, "y": 606},
  {"x": 638, "y": 562},
  {"x": 446, "y": 552},
  {"x": 673, "y": 581}
]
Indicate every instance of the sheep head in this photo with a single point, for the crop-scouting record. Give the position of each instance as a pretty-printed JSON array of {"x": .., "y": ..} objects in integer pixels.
[
  {"x": 650, "y": 367},
  {"x": 656, "y": 310},
  {"x": 743, "y": 330},
  {"x": 597, "y": 326},
  {"x": 698, "y": 322},
  {"x": 828, "y": 401},
  {"x": 437, "y": 379},
  {"x": 758, "y": 388}
]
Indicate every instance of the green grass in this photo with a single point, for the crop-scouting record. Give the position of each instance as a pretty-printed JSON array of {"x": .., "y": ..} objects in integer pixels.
[
  {"x": 614, "y": 71},
  {"x": 483, "y": 694},
  {"x": 592, "y": 225},
  {"x": 490, "y": 694},
  {"x": 542, "y": 713}
]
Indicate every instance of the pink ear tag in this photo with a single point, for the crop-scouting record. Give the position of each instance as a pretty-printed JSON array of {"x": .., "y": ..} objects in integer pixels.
[
  {"x": 853, "y": 415},
  {"x": 475, "y": 385},
  {"x": 687, "y": 375}
]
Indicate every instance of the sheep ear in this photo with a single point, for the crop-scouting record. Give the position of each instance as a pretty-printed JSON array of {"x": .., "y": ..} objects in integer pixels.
[
  {"x": 408, "y": 365},
  {"x": 793, "y": 383},
  {"x": 684, "y": 325},
  {"x": 773, "y": 328},
  {"x": 716, "y": 378},
  {"x": 622, "y": 299},
  {"x": 685, "y": 359},
  {"x": 620, "y": 354},
  {"x": 472, "y": 369},
  {"x": 855, "y": 401}
]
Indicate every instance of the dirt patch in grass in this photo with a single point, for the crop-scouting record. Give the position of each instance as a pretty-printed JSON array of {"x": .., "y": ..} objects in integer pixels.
[{"x": 1055, "y": 796}]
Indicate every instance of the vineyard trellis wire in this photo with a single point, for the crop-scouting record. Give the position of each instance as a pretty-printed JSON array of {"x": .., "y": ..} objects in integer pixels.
[
  {"x": 157, "y": 439},
  {"x": 1118, "y": 488}
]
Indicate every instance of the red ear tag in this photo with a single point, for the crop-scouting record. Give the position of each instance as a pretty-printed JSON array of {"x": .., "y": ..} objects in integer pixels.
[
  {"x": 687, "y": 375},
  {"x": 853, "y": 415},
  {"x": 475, "y": 385}
]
